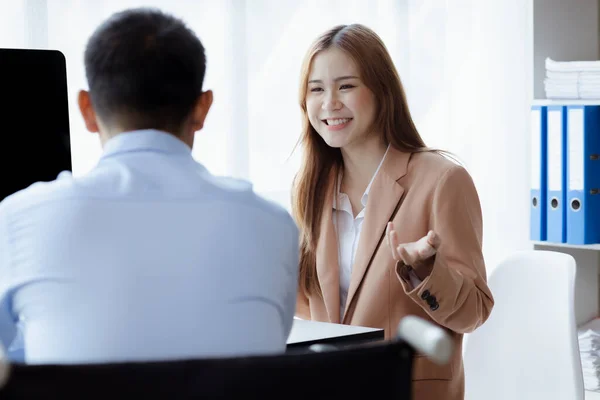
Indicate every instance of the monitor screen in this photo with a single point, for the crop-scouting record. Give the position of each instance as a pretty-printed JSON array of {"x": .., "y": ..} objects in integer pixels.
[{"x": 34, "y": 114}]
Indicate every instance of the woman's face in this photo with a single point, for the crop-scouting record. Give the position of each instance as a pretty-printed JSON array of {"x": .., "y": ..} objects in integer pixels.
[{"x": 340, "y": 107}]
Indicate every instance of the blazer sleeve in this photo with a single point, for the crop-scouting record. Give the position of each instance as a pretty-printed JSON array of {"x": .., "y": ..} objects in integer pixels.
[{"x": 455, "y": 294}]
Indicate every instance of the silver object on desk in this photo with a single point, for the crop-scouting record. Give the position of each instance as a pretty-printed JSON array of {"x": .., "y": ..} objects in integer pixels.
[{"x": 427, "y": 338}]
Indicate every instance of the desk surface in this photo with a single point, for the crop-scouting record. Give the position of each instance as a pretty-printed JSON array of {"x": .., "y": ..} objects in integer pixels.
[{"x": 310, "y": 331}]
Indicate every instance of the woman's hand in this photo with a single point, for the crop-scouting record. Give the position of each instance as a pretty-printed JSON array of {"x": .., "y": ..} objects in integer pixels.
[{"x": 414, "y": 254}]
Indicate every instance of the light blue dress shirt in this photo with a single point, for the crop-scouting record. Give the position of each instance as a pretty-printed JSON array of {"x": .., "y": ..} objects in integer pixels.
[{"x": 146, "y": 257}]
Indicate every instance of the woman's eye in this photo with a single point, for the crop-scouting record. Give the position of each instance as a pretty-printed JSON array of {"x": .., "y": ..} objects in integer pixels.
[
  {"x": 346, "y": 87},
  {"x": 316, "y": 89}
]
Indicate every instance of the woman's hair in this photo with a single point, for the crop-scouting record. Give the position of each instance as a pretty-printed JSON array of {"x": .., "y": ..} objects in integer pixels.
[{"x": 393, "y": 120}]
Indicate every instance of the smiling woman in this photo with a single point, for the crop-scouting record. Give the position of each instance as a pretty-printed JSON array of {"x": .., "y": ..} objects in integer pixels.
[{"x": 389, "y": 227}]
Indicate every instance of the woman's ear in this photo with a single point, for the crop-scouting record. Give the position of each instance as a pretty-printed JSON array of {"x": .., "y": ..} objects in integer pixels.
[{"x": 87, "y": 111}]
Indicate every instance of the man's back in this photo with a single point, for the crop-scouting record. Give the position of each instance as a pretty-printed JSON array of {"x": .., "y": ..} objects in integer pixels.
[{"x": 146, "y": 257}]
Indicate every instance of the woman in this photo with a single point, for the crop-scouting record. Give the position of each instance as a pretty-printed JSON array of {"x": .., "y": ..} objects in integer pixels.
[{"x": 389, "y": 227}]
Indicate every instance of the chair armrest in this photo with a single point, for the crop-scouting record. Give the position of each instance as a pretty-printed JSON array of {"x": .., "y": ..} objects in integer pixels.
[{"x": 426, "y": 338}]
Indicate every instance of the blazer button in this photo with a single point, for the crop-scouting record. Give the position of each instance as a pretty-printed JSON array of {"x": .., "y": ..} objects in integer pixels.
[
  {"x": 431, "y": 300},
  {"x": 434, "y": 307},
  {"x": 425, "y": 295}
]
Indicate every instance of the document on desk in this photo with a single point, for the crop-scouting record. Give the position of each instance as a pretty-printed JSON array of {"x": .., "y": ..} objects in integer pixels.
[
  {"x": 589, "y": 348},
  {"x": 307, "y": 331}
]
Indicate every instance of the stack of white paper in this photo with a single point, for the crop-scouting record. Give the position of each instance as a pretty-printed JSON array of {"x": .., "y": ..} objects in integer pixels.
[
  {"x": 589, "y": 347},
  {"x": 572, "y": 79}
]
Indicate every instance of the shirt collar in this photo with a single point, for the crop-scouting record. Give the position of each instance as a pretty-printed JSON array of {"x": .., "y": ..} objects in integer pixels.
[
  {"x": 145, "y": 140},
  {"x": 365, "y": 195}
]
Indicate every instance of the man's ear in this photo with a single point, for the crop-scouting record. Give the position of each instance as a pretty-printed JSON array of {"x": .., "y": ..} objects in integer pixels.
[
  {"x": 87, "y": 111},
  {"x": 201, "y": 110}
]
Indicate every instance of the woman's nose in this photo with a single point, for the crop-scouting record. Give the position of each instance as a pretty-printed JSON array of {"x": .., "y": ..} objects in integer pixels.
[{"x": 331, "y": 103}]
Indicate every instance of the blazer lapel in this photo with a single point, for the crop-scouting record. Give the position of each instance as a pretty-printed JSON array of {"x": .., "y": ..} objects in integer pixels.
[
  {"x": 384, "y": 197},
  {"x": 327, "y": 258}
]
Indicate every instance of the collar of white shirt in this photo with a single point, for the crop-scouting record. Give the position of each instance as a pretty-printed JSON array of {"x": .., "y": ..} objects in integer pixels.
[
  {"x": 365, "y": 195},
  {"x": 145, "y": 140}
]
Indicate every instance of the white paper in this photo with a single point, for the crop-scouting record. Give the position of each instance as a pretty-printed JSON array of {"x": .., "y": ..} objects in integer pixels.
[
  {"x": 575, "y": 137},
  {"x": 536, "y": 148},
  {"x": 555, "y": 166}
]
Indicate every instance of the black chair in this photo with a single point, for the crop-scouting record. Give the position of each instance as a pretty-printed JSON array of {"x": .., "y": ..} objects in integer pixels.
[{"x": 321, "y": 373}]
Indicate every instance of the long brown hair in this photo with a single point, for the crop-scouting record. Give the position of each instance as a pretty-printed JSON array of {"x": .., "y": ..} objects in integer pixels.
[{"x": 378, "y": 73}]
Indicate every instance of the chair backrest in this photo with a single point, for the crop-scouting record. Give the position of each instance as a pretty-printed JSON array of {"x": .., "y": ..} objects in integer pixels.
[
  {"x": 528, "y": 348},
  {"x": 386, "y": 366}
]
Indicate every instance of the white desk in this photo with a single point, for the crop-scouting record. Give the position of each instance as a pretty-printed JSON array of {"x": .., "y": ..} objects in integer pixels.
[{"x": 306, "y": 333}]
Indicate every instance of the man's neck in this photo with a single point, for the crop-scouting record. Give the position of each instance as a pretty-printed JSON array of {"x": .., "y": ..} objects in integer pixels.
[{"x": 109, "y": 132}]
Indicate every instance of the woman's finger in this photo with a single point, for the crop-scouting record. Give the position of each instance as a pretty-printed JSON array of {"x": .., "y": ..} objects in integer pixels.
[
  {"x": 387, "y": 235},
  {"x": 394, "y": 246},
  {"x": 426, "y": 252},
  {"x": 405, "y": 255},
  {"x": 433, "y": 239}
]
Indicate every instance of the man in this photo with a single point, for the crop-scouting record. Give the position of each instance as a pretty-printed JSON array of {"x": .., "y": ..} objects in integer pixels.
[{"x": 148, "y": 256}]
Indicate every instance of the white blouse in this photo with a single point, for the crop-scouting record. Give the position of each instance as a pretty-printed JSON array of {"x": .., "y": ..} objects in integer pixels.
[{"x": 348, "y": 229}]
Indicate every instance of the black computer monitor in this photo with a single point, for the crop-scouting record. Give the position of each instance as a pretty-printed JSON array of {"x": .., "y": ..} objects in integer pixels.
[{"x": 34, "y": 118}]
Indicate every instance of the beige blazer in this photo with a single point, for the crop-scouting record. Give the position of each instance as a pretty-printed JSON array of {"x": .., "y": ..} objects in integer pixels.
[{"x": 418, "y": 192}]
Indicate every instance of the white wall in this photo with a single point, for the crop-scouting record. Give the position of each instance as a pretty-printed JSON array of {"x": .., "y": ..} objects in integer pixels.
[
  {"x": 466, "y": 65},
  {"x": 469, "y": 85}
]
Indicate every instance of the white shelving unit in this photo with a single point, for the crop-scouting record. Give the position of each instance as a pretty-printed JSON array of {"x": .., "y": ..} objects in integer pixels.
[
  {"x": 569, "y": 31},
  {"x": 587, "y": 293}
]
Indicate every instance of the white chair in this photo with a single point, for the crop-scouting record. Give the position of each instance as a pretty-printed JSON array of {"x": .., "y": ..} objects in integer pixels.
[{"x": 528, "y": 348}]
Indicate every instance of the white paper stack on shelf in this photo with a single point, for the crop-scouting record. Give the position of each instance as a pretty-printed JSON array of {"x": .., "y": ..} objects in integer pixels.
[
  {"x": 572, "y": 79},
  {"x": 589, "y": 347}
]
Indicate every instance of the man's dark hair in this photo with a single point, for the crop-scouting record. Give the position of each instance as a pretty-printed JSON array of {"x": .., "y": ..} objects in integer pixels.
[{"x": 144, "y": 69}]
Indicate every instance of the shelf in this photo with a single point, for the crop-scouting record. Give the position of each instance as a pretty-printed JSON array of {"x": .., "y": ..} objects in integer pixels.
[
  {"x": 594, "y": 247},
  {"x": 565, "y": 102}
]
